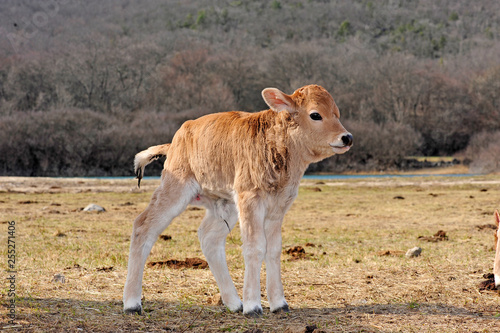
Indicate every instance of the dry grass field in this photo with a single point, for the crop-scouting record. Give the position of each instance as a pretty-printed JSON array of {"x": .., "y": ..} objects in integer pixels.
[{"x": 354, "y": 276}]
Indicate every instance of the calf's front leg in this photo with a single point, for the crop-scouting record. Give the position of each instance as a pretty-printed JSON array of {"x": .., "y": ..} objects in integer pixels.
[
  {"x": 252, "y": 212},
  {"x": 274, "y": 286}
]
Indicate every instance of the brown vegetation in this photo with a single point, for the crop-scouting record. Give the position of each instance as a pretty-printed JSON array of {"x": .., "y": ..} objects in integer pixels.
[
  {"x": 349, "y": 284},
  {"x": 81, "y": 83}
]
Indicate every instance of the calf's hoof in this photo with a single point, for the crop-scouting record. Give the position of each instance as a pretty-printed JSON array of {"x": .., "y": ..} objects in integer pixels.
[
  {"x": 283, "y": 308},
  {"x": 237, "y": 309},
  {"x": 134, "y": 310},
  {"x": 255, "y": 313}
]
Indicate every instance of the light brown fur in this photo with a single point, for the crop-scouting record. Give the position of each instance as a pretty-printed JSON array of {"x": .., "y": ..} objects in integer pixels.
[
  {"x": 238, "y": 165},
  {"x": 496, "y": 265}
]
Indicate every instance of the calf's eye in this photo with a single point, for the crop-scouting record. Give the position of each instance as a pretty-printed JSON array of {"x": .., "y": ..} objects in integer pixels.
[{"x": 315, "y": 116}]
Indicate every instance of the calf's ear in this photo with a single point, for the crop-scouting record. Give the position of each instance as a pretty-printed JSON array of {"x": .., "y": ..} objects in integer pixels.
[
  {"x": 497, "y": 218},
  {"x": 278, "y": 101}
]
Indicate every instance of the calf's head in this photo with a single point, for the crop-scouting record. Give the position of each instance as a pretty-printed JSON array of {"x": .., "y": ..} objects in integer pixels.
[{"x": 317, "y": 116}]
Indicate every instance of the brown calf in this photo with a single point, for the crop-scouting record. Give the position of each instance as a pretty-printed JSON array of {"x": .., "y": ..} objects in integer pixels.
[
  {"x": 496, "y": 265},
  {"x": 239, "y": 166}
]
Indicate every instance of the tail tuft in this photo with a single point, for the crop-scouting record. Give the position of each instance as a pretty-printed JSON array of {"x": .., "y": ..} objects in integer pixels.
[{"x": 147, "y": 156}]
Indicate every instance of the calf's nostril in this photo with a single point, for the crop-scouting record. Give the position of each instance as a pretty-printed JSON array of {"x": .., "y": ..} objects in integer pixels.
[{"x": 347, "y": 139}]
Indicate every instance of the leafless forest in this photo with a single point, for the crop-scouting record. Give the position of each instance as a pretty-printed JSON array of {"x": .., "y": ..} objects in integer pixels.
[{"x": 84, "y": 85}]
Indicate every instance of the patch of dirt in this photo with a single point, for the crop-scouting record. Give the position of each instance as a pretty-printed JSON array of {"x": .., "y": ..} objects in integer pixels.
[
  {"x": 438, "y": 236},
  {"x": 392, "y": 253},
  {"x": 489, "y": 283},
  {"x": 486, "y": 226},
  {"x": 313, "y": 189},
  {"x": 75, "y": 266},
  {"x": 195, "y": 263},
  {"x": 398, "y": 197},
  {"x": 27, "y": 202}
]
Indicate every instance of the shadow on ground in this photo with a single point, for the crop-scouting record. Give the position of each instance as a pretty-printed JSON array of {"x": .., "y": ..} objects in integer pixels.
[{"x": 70, "y": 315}]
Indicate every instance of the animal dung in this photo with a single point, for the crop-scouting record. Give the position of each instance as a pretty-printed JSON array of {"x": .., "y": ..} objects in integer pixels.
[
  {"x": 165, "y": 237},
  {"x": 195, "y": 263},
  {"x": 437, "y": 237},
  {"x": 414, "y": 252},
  {"x": 104, "y": 269},
  {"x": 489, "y": 283},
  {"x": 59, "y": 233},
  {"x": 297, "y": 253}
]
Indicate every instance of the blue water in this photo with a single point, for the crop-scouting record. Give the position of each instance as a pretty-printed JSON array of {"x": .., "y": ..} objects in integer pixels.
[
  {"x": 340, "y": 177},
  {"x": 334, "y": 177}
]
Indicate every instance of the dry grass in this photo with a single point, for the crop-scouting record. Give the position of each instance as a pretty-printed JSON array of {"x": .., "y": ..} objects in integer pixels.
[{"x": 344, "y": 284}]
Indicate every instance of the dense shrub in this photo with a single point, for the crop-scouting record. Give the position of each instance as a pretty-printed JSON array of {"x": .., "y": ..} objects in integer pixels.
[
  {"x": 483, "y": 152},
  {"x": 75, "y": 142},
  {"x": 409, "y": 77}
]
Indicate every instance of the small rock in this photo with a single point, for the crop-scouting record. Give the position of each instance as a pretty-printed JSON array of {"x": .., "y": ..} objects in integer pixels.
[
  {"x": 94, "y": 208},
  {"x": 59, "y": 278},
  {"x": 415, "y": 252}
]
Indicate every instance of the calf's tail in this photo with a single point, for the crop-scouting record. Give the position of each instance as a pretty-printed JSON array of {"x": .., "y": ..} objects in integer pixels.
[{"x": 147, "y": 156}]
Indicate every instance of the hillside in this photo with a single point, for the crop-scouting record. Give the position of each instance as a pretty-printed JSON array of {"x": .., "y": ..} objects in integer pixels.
[{"x": 84, "y": 85}]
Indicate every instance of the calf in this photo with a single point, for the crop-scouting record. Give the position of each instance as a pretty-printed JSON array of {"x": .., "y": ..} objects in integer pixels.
[
  {"x": 239, "y": 166},
  {"x": 496, "y": 265}
]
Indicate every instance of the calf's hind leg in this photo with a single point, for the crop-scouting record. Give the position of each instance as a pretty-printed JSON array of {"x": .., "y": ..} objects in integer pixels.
[
  {"x": 168, "y": 201},
  {"x": 220, "y": 219}
]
